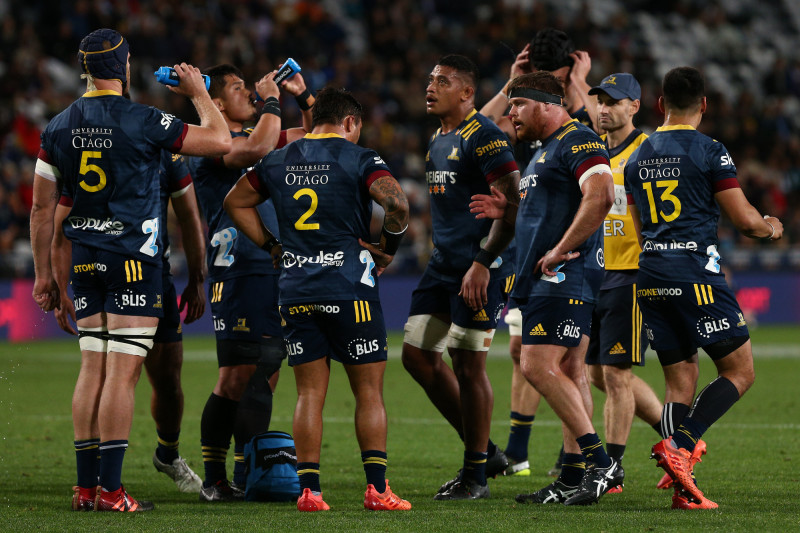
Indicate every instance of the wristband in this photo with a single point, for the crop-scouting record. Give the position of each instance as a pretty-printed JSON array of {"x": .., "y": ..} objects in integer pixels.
[
  {"x": 485, "y": 258},
  {"x": 272, "y": 106},
  {"x": 271, "y": 243},
  {"x": 302, "y": 100},
  {"x": 390, "y": 242},
  {"x": 773, "y": 231}
]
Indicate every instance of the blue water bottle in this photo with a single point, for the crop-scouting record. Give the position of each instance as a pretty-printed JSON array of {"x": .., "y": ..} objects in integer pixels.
[
  {"x": 287, "y": 70},
  {"x": 168, "y": 76}
]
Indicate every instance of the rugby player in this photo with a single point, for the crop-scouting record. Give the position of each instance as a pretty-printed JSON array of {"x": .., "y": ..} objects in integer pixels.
[
  {"x": 616, "y": 340},
  {"x": 103, "y": 152},
  {"x": 164, "y": 361},
  {"x": 322, "y": 187},
  {"x": 243, "y": 285},
  {"x": 458, "y": 301},
  {"x": 677, "y": 182},
  {"x": 565, "y": 194}
]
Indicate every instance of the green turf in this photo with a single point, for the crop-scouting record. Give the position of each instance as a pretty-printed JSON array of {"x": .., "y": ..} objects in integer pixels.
[{"x": 751, "y": 469}]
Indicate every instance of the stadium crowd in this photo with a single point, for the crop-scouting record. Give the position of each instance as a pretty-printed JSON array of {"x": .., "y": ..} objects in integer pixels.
[{"x": 382, "y": 51}]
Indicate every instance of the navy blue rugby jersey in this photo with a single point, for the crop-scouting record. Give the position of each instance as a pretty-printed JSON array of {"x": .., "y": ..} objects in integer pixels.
[
  {"x": 320, "y": 187},
  {"x": 230, "y": 254},
  {"x": 459, "y": 164},
  {"x": 523, "y": 151},
  {"x": 175, "y": 180},
  {"x": 672, "y": 179},
  {"x": 550, "y": 195},
  {"x": 107, "y": 151}
]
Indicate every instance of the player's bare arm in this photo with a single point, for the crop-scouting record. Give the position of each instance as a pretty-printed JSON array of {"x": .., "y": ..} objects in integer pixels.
[
  {"x": 387, "y": 192},
  {"x": 637, "y": 223},
  {"x": 61, "y": 258},
  {"x": 212, "y": 137},
  {"x": 476, "y": 280},
  {"x": 578, "y": 87},
  {"x": 746, "y": 218},
  {"x": 598, "y": 198},
  {"x": 45, "y": 198},
  {"x": 296, "y": 86},
  {"x": 246, "y": 151},
  {"x": 240, "y": 204},
  {"x": 193, "y": 297}
]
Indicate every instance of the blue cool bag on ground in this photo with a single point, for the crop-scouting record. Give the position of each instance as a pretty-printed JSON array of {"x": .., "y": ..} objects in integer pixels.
[{"x": 271, "y": 468}]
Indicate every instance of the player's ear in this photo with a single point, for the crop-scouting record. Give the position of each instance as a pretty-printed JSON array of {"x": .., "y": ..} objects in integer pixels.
[
  {"x": 703, "y": 105},
  {"x": 661, "y": 105},
  {"x": 468, "y": 92}
]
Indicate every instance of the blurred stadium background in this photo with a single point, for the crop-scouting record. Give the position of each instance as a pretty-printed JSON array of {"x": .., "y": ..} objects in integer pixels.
[{"x": 383, "y": 50}]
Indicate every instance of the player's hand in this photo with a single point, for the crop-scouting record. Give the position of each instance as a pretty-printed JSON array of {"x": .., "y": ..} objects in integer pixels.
[
  {"x": 552, "y": 259},
  {"x": 46, "y": 294},
  {"x": 381, "y": 258},
  {"x": 474, "y": 285},
  {"x": 522, "y": 64},
  {"x": 266, "y": 87},
  {"x": 64, "y": 312},
  {"x": 488, "y": 206},
  {"x": 193, "y": 299},
  {"x": 294, "y": 85},
  {"x": 581, "y": 67},
  {"x": 777, "y": 224},
  {"x": 191, "y": 84},
  {"x": 277, "y": 255}
]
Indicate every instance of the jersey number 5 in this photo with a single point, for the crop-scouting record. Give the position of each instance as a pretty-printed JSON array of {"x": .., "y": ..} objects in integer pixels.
[
  {"x": 666, "y": 196},
  {"x": 86, "y": 168}
]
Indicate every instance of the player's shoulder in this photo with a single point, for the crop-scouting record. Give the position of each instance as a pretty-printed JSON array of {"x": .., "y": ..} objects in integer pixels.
[{"x": 576, "y": 138}]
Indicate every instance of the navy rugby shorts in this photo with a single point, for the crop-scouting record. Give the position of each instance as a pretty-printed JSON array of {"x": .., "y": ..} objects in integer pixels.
[
  {"x": 169, "y": 327},
  {"x": 245, "y": 308},
  {"x": 556, "y": 321},
  {"x": 617, "y": 334}
]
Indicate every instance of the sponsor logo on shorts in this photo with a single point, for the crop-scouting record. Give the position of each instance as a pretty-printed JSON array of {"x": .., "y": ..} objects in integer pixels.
[
  {"x": 158, "y": 304},
  {"x": 481, "y": 316},
  {"x": 322, "y": 259},
  {"x": 659, "y": 292},
  {"x": 538, "y": 330},
  {"x": 294, "y": 348},
  {"x": 649, "y": 333},
  {"x": 707, "y": 326},
  {"x": 107, "y": 226},
  {"x": 90, "y": 267},
  {"x": 128, "y": 298},
  {"x": 617, "y": 349},
  {"x": 742, "y": 321},
  {"x": 568, "y": 329},
  {"x": 360, "y": 346},
  {"x": 241, "y": 325},
  {"x": 219, "y": 324},
  {"x": 313, "y": 308},
  {"x": 79, "y": 303}
]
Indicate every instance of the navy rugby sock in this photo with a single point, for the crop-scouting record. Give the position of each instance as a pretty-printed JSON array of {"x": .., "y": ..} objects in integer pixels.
[
  {"x": 519, "y": 436},
  {"x": 615, "y": 451},
  {"x": 309, "y": 476},
  {"x": 572, "y": 469},
  {"x": 239, "y": 466},
  {"x": 375, "y": 468},
  {"x": 709, "y": 406},
  {"x": 672, "y": 415},
  {"x": 88, "y": 462},
  {"x": 216, "y": 429},
  {"x": 592, "y": 449},
  {"x": 167, "y": 450},
  {"x": 475, "y": 466},
  {"x": 112, "y": 452}
]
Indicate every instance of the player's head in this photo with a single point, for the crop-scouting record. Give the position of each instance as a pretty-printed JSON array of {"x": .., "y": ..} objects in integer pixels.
[
  {"x": 103, "y": 55},
  {"x": 229, "y": 93},
  {"x": 537, "y": 100},
  {"x": 550, "y": 51},
  {"x": 618, "y": 100},
  {"x": 451, "y": 83},
  {"x": 338, "y": 107},
  {"x": 683, "y": 90}
]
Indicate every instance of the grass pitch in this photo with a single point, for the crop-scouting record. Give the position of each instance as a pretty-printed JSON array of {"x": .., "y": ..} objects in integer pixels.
[{"x": 751, "y": 469}]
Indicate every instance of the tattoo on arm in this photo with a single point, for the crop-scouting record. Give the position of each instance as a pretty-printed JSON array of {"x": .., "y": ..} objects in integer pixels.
[{"x": 387, "y": 192}]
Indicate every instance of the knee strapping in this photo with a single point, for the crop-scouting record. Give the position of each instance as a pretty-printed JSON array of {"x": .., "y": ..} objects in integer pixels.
[
  {"x": 426, "y": 332},
  {"x": 476, "y": 340},
  {"x": 93, "y": 339},
  {"x": 514, "y": 320},
  {"x": 133, "y": 341}
]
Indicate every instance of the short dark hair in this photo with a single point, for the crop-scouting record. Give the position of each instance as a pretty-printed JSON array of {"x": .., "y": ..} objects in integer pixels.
[
  {"x": 461, "y": 64},
  {"x": 683, "y": 88},
  {"x": 217, "y": 74},
  {"x": 541, "y": 80},
  {"x": 550, "y": 50},
  {"x": 333, "y": 105}
]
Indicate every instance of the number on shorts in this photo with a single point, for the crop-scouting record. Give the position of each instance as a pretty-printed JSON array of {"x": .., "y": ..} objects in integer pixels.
[{"x": 367, "y": 278}]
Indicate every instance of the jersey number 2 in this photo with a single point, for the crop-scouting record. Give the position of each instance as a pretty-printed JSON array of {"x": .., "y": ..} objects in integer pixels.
[{"x": 301, "y": 222}]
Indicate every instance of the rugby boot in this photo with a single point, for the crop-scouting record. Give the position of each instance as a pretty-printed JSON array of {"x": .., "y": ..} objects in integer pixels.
[
  {"x": 221, "y": 491},
  {"x": 517, "y": 468},
  {"x": 464, "y": 489},
  {"x": 681, "y": 501},
  {"x": 596, "y": 482},
  {"x": 120, "y": 501},
  {"x": 676, "y": 462},
  {"x": 83, "y": 499},
  {"x": 555, "y": 492},
  {"x": 699, "y": 451},
  {"x": 386, "y": 501},
  {"x": 310, "y": 502},
  {"x": 179, "y": 472}
]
